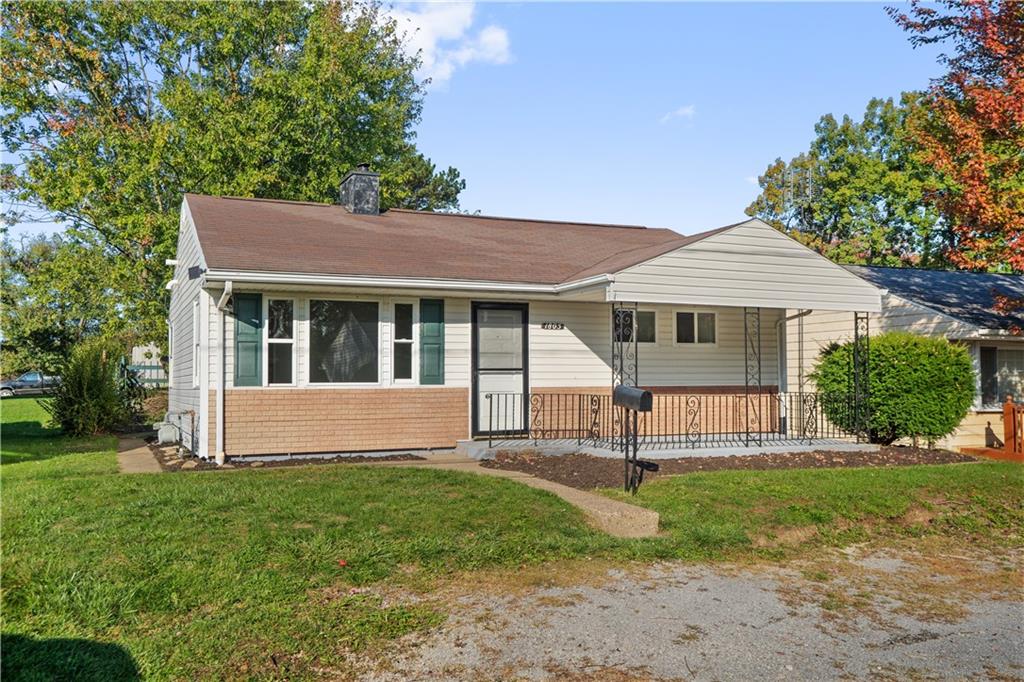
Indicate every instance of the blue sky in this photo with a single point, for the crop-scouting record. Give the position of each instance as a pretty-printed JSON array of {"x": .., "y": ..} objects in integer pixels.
[{"x": 659, "y": 114}]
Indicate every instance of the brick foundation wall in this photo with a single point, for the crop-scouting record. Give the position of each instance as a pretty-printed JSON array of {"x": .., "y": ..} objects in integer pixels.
[{"x": 300, "y": 420}]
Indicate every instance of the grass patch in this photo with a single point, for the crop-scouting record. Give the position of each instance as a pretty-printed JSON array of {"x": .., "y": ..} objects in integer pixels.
[
  {"x": 737, "y": 514},
  {"x": 236, "y": 575}
]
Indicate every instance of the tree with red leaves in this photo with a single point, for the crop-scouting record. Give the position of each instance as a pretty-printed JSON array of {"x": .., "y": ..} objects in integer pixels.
[{"x": 971, "y": 128}]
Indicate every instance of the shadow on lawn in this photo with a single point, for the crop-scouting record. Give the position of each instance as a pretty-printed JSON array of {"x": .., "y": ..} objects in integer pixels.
[{"x": 26, "y": 658}]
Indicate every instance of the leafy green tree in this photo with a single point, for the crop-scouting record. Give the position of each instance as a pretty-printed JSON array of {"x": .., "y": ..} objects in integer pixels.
[
  {"x": 114, "y": 110},
  {"x": 53, "y": 296},
  {"x": 859, "y": 194}
]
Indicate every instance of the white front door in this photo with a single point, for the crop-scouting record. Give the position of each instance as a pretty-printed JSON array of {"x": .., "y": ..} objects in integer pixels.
[{"x": 499, "y": 367}]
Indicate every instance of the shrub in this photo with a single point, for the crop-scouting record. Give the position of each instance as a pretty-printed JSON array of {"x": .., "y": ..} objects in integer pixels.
[
  {"x": 94, "y": 395},
  {"x": 920, "y": 387}
]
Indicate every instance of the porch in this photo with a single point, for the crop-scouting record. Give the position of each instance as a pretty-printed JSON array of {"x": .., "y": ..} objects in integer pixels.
[{"x": 679, "y": 424}]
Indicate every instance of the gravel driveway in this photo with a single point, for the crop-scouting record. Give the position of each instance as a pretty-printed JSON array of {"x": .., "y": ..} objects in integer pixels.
[{"x": 850, "y": 615}]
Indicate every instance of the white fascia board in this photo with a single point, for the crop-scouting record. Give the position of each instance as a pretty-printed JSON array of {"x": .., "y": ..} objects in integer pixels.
[{"x": 240, "y": 276}]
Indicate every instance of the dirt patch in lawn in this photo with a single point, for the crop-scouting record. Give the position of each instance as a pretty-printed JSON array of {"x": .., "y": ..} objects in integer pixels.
[
  {"x": 170, "y": 461},
  {"x": 587, "y": 471}
]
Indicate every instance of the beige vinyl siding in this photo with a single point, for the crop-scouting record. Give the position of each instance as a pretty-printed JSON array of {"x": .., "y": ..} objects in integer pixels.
[
  {"x": 580, "y": 354},
  {"x": 457, "y": 339},
  {"x": 751, "y": 264},
  {"x": 183, "y": 396},
  {"x": 898, "y": 314}
]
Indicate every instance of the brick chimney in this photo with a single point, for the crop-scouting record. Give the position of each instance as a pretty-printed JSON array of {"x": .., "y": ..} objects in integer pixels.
[{"x": 360, "y": 191}]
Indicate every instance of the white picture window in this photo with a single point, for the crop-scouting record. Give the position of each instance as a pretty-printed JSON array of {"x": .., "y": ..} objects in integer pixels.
[
  {"x": 696, "y": 328},
  {"x": 343, "y": 342},
  {"x": 403, "y": 342},
  {"x": 195, "y": 343},
  {"x": 280, "y": 341}
]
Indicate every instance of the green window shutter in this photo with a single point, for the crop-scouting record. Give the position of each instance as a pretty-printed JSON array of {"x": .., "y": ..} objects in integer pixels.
[
  {"x": 248, "y": 339},
  {"x": 431, "y": 341}
]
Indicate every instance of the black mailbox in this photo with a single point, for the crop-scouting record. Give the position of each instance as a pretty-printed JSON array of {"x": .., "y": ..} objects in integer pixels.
[{"x": 632, "y": 398}]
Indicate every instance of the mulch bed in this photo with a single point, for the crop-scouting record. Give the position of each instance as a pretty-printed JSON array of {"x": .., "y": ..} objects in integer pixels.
[
  {"x": 587, "y": 471},
  {"x": 169, "y": 460}
]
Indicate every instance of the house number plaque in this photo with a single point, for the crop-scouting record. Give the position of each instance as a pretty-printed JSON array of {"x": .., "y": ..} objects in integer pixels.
[{"x": 552, "y": 325}]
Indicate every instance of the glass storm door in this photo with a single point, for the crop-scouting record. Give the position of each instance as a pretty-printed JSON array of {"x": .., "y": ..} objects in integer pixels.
[{"x": 499, "y": 367}]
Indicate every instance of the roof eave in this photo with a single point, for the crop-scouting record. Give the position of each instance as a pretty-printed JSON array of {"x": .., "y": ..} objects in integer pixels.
[{"x": 296, "y": 278}]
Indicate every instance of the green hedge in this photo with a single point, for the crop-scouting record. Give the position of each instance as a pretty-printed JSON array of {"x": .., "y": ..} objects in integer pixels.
[{"x": 920, "y": 387}]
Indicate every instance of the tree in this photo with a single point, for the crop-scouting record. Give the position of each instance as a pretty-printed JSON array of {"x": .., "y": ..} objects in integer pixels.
[
  {"x": 53, "y": 296},
  {"x": 858, "y": 195},
  {"x": 971, "y": 129},
  {"x": 114, "y": 110}
]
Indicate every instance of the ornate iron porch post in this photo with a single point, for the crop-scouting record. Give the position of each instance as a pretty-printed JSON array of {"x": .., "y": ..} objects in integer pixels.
[
  {"x": 624, "y": 360},
  {"x": 861, "y": 374},
  {"x": 752, "y": 373}
]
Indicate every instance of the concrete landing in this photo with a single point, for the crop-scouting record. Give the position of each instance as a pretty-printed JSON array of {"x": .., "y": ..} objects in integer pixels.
[
  {"x": 135, "y": 457},
  {"x": 610, "y": 516}
]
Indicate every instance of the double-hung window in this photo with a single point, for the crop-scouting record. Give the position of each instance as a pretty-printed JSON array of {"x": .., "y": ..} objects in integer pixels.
[
  {"x": 403, "y": 342},
  {"x": 1002, "y": 375},
  {"x": 696, "y": 328},
  {"x": 343, "y": 342},
  {"x": 280, "y": 339},
  {"x": 641, "y": 325}
]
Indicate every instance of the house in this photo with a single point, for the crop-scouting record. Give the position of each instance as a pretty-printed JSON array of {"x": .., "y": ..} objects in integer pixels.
[
  {"x": 959, "y": 306},
  {"x": 322, "y": 328}
]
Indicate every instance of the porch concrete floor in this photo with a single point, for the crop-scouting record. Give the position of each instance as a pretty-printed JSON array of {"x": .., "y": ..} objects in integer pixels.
[{"x": 481, "y": 449}]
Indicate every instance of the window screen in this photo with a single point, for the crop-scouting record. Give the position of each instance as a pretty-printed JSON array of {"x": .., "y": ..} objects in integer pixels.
[
  {"x": 280, "y": 341},
  {"x": 403, "y": 342}
]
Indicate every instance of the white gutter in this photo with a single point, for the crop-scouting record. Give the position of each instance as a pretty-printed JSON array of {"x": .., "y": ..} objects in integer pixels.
[
  {"x": 399, "y": 282},
  {"x": 222, "y": 304}
]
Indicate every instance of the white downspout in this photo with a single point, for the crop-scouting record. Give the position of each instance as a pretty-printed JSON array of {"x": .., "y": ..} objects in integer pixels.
[{"x": 222, "y": 305}]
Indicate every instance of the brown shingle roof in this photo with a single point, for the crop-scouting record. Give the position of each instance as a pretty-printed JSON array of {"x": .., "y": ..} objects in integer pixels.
[{"x": 288, "y": 236}]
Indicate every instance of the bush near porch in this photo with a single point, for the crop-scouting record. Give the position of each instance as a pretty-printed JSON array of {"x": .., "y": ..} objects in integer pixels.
[
  {"x": 920, "y": 387},
  {"x": 235, "y": 574}
]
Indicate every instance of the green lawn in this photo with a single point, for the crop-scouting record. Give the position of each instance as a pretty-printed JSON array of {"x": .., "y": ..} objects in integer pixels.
[{"x": 236, "y": 574}]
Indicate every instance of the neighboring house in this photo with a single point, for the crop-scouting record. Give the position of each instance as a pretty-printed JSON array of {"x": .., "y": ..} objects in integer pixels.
[
  {"x": 959, "y": 306},
  {"x": 308, "y": 328}
]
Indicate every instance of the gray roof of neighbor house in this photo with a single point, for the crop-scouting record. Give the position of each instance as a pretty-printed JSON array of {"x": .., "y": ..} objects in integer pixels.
[
  {"x": 966, "y": 296},
  {"x": 301, "y": 237}
]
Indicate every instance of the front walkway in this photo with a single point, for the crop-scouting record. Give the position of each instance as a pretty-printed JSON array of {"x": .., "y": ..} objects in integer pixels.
[
  {"x": 134, "y": 456},
  {"x": 611, "y": 516}
]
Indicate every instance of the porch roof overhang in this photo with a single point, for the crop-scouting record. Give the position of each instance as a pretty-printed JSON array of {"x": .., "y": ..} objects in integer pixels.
[{"x": 596, "y": 288}]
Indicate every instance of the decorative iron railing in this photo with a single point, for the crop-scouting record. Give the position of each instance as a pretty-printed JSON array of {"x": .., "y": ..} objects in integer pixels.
[{"x": 677, "y": 420}]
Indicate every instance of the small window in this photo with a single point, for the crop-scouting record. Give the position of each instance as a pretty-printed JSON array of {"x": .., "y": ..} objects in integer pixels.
[
  {"x": 343, "y": 342},
  {"x": 646, "y": 326},
  {"x": 696, "y": 328},
  {"x": 403, "y": 341},
  {"x": 280, "y": 341}
]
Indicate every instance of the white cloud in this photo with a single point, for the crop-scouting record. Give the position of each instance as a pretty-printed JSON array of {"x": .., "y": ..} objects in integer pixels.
[
  {"x": 444, "y": 36},
  {"x": 685, "y": 111},
  {"x": 752, "y": 179}
]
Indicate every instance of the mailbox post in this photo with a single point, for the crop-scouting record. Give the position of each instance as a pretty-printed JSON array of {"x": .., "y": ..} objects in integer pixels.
[{"x": 632, "y": 401}]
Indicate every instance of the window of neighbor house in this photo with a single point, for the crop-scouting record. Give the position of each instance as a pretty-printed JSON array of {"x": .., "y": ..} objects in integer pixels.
[
  {"x": 343, "y": 342},
  {"x": 280, "y": 341},
  {"x": 1002, "y": 374},
  {"x": 403, "y": 341},
  {"x": 694, "y": 327}
]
